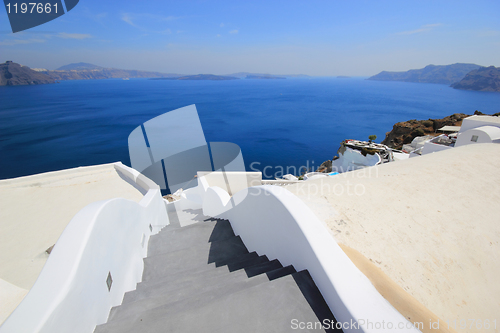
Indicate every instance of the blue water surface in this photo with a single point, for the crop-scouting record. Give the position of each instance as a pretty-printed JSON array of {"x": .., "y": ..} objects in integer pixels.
[{"x": 277, "y": 123}]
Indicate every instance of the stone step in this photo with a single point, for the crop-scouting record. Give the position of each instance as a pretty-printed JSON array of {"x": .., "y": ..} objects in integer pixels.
[
  {"x": 234, "y": 266},
  {"x": 186, "y": 293},
  {"x": 198, "y": 270},
  {"x": 219, "y": 275},
  {"x": 173, "y": 220},
  {"x": 161, "y": 265},
  {"x": 180, "y": 238},
  {"x": 263, "y": 267},
  {"x": 237, "y": 259},
  {"x": 280, "y": 272},
  {"x": 264, "y": 307},
  {"x": 190, "y": 276},
  {"x": 201, "y": 277},
  {"x": 314, "y": 298},
  {"x": 184, "y": 218}
]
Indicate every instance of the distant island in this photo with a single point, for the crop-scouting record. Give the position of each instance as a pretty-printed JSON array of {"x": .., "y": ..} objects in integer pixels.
[
  {"x": 481, "y": 79},
  {"x": 264, "y": 77},
  {"x": 13, "y": 74},
  {"x": 79, "y": 66},
  {"x": 86, "y": 71},
  {"x": 459, "y": 76},
  {"x": 447, "y": 74},
  {"x": 198, "y": 77}
]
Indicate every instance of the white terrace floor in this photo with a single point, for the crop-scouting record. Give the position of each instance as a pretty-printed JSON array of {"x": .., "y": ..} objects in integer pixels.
[
  {"x": 426, "y": 231},
  {"x": 34, "y": 212}
]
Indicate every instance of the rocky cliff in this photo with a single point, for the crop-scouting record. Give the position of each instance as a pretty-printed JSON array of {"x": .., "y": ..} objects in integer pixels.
[
  {"x": 103, "y": 73},
  {"x": 447, "y": 74},
  {"x": 86, "y": 71},
  {"x": 482, "y": 79},
  {"x": 404, "y": 132},
  {"x": 13, "y": 74}
]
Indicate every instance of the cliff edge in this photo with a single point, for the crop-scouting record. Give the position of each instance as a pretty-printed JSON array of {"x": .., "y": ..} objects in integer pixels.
[
  {"x": 447, "y": 74},
  {"x": 13, "y": 74},
  {"x": 481, "y": 79},
  {"x": 404, "y": 132}
]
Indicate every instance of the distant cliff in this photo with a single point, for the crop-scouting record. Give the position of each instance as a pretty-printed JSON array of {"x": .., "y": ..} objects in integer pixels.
[
  {"x": 12, "y": 74},
  {"x": 85, "y": 71},
  {"x": 430, "y": 74},
  {"x": 481, "y": 79}
]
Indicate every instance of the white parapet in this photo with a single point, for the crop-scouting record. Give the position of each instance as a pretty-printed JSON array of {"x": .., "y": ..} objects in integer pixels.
[
  {"x": 98, "y": 258},
  {"x": 231, "y": 182},
  {"x": 272, "y": 221}
]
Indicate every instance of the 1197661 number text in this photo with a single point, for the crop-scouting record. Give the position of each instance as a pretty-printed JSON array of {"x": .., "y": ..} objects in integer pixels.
[
  {"x": 35, "y": 8},
  {"x": 472, "y": 323}
]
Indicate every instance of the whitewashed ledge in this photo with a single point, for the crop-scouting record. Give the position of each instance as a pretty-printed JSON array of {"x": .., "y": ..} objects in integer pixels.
[{"x": 35, "y": 211}]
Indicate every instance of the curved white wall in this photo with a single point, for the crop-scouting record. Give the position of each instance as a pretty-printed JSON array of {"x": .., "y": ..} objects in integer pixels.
[
  {"x": 217, "y": 202},
  {"x": 430, "y": 147},
  {"x": 272, "y": 221},
  {"x": 476, "y": 121},
  {"x": 230, "y": 181},
  {"x": 71, "y": 294},
  {"x": 485, "y": 134},
  {"x": 353, "y": 159}
]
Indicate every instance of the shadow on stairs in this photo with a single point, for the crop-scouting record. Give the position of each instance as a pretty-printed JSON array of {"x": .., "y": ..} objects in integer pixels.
[{"x": 201, "y": 278}]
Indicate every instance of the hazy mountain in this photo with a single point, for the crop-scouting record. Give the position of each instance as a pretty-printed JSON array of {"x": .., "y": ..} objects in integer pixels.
[
  {"x": 447, "y": 74},
  {"x": 13, "y": 74},
  {"x": 78, "y": 66},
  {"x": 481, "y": 79}
]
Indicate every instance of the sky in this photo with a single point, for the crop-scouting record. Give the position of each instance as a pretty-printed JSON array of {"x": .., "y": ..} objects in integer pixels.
[{"x": 319, "y": 38}]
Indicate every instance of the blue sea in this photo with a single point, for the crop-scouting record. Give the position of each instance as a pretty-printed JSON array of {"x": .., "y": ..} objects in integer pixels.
[{"x": 277, "y": 123}]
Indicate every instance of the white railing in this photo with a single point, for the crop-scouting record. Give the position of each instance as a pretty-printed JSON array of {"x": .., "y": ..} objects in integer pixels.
[
  {"x": 272, "y": 221},
  {"x": 106, "y": 238}
]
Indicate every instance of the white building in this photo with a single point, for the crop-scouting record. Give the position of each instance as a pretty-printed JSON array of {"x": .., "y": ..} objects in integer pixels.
[{"x": 474, "y": 129}]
